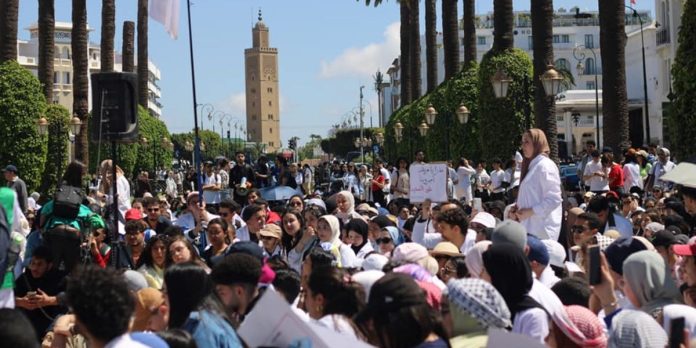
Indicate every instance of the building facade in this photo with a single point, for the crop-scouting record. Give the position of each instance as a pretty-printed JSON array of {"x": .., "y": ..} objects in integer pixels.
[
  {"x": 28, "y": 57},
  {"x": 574, "y": 41},
  {"x": 262, "y": 93}
]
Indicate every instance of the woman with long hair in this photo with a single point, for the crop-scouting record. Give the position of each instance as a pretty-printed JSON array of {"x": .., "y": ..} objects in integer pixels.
[
  {"x": 398, "y": 315},
  {"x": 463, "y": 189},
  {"x": 153, "y": 260},
  {"x": 194, "y": 307},
  {"x": 297, "y": 239},
  {"x": 122, "y": 188},
  {"x": 73, "y": 174},
  {"x": 539, "y": 201},
  {"x": 180, "y": 250},
  {"x": 332, "y": 299},
  {"x": 217, "y": 239}
]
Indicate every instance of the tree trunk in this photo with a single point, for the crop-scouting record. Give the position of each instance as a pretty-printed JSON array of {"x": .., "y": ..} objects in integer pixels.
[
  {"x": 80, "y": 78},
  {"x": 469, "y": 9},
  {"x": 416, "y": 80},
  {"x": 612, "y": 39},
  {"x": 46, "y": 47},
  {"x": 128, "y": 50},
  {"x": 9, "y": 13},
  {"x": 142, "y": 53},
  {"x": 450, "y": 37},
  {"x": 503, "y": 21},
  {"x": 405, "y": 59},
  {"x": 542, "y": 41},
  {"x": 108, "y": 30},
  {"x": 431, "y": 43}
]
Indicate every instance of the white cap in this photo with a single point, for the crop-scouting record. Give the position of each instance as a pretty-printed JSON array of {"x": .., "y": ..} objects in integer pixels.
[
  {"x": 557, "y": 253},
  {"x": 374, "y": 262},
  {"x": 484, "y": 219},
  {"x": 367, "y": 279}
]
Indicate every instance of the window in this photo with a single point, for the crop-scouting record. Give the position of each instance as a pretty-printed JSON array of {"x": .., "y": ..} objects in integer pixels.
[
  {"x": 564, "y": 38},
  {"x": 270, "y": 103},
  {"x": 589, "y": 41},
  {"x": 67, "y": 80},
  {"x": 562, "y": 64},
  {"x": 270, "y": 143},
  {"x": 253, "y": 117},
  {"x": 270, "y": 130},
  {"x": 253, "y": 91},
  {"x": 530, "y": 42},
  {"x": 559, "y": 118},
  {"x": 270, "y": 116},
  {"x": 589, "y": 85},
  {"x": 480, "y": 40},
  {"x": 269, "y": 90},
  {"x": 590, "y": 67},
  {"x": 56, "y": 79}
]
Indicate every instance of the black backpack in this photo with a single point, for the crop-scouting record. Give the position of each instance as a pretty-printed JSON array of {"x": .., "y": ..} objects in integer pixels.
[{"x": 66, "y": 201}]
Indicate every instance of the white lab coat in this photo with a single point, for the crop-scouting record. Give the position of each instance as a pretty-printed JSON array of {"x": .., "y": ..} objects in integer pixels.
[{"x": 541, "y": 191}]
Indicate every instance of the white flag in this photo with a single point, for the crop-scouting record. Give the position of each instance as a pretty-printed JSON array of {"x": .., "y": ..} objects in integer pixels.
[{"x": 167, "y": 13}]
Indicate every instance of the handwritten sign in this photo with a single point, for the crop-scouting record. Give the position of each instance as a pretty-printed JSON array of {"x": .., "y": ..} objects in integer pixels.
[{"x": 428, "y": 181}]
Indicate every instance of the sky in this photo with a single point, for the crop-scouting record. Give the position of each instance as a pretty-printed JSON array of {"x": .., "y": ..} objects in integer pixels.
[{"x": 327, "y": 49}]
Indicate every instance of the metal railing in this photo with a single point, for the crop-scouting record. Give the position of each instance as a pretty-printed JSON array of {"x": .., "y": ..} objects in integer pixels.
[{"x": 662, "y": 36}]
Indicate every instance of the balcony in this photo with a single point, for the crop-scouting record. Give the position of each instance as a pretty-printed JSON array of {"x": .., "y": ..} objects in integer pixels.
[{"x": 662, "y": 36}]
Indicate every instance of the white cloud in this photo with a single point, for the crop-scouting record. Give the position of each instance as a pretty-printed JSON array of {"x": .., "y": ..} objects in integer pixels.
[
  {"x": 364, "y": 61},
  {"x": 235, "y": 104}
]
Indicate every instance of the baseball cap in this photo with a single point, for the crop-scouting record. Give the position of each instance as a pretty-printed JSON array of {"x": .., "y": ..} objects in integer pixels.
[
  {"x": 537, "y": 250},
  {"x": 685, "y": 249},
  {"x": 271, "y": 230},
  {"x": 510, "y": 231},
  {"x": 246, "y": 247},
  {"x": 484, "y": 219},
  {"x": 374, "y": 262},
  {"x": 11, "y": 168},
  {"x": 664, "y": 238},
  {"x": 557, "y": 253},
  {"x": 133, "y": 214},
  {"x": 618, "y": 251}
]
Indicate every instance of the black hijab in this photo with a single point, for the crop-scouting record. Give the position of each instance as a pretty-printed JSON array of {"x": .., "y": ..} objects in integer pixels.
[
  {"x": 511, "y": 275},
  {"x": 358, "y": 226}
]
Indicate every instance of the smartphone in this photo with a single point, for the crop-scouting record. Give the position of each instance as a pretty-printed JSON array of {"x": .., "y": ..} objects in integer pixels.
[
  {"x": 31, "y": 294},
  {"x": 477, "y": 204},
  {"x": 676, "y": 332},
  {"x": 595, "y": 276}
]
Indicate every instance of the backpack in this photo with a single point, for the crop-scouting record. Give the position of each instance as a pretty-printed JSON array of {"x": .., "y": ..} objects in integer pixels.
[{"x": 66, "y": 201}]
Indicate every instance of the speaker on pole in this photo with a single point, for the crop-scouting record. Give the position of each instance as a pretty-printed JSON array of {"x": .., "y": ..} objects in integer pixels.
[{"x": 115, "y": 112}]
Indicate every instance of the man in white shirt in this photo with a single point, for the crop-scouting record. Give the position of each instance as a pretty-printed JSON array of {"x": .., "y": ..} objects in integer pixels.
[
  {"x": 497, "y": 178},
  {"x": 595, "y": 176},
  {"x": 453, "y": 229},
  {"x": 662, "y": 166},
  {"x": 211, "y": 187}
]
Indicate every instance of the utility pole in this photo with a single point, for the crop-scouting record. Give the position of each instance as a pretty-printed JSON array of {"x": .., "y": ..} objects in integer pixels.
[{"x": 362, "y": 114}]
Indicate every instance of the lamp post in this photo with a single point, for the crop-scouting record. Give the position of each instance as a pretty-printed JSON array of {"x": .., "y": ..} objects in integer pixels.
[
  {"x": 206, "y": 107},
  {"x": 188, "y": 146},
  {"x": 362, "y": 114},
  {"x": 645, "y": 75},
  {"x": 462, "y": 116},
  {"x": 73, "y": 131},
  {"x": 579, "y": 54}
]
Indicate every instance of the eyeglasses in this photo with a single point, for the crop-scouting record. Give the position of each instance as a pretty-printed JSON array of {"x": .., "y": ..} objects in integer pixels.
[
  {"x": 385, "y": 240},
  {"x": 578, "y": 229}
]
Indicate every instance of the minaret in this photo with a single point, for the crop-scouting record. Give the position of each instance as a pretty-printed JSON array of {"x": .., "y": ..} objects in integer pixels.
[{"x": 262, "y": 94}]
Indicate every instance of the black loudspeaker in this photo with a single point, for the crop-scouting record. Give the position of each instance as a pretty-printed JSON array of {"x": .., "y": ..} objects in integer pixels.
[{"x": 115, "y": 111}]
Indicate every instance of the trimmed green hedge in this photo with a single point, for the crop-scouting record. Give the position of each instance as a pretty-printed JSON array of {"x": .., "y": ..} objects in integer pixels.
[
  {"x": 342, "y": 142},
  {"x": 681, "y": 114},
  {"x": 502, "y": 120},
  {"x": 21, "y": 105}
]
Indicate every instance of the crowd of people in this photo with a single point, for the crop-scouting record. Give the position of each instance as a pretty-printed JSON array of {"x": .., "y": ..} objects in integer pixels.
[{"x": 352, "y": 253}]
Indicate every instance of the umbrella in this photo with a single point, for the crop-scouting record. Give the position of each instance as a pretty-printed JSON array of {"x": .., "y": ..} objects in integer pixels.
[
  {"x": 683, "y": 174},
  {"x": 278, "y": 193}
]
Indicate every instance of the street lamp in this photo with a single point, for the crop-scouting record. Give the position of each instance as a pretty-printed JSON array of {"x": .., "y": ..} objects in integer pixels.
[
  {"x": 501, "y": 82},
  {"x": 206, "y": 107},
  {"x": 431, "y": 114},
  {"x": 43, "y": 126},
  {"x": 552, "y": 80},
  {"x": 188, "y": 146},
  {"x": 579, "y": 54},
  {"x": 399, "y": 131},
  {"x": 423, "y": 129},
  {"x": 645, "y": 76}
]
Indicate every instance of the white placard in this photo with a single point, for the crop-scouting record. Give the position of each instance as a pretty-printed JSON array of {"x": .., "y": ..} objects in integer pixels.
[
  {"x": 428, "y": 181},
  {"x": 498, "y": 338}
]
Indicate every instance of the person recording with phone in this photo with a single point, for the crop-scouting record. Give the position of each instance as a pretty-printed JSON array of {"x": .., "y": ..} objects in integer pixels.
[{"x": 37, "y": 291}]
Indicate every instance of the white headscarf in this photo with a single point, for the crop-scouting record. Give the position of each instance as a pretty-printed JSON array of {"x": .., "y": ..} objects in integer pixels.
[
  {"x": 474, "y": 258},
  {"x": 350, "y": 213},
  {"x": 335, "y": 228}
]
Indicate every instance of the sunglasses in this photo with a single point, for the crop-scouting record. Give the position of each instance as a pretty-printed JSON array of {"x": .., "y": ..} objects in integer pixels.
[{"x": 385, "y": 240}]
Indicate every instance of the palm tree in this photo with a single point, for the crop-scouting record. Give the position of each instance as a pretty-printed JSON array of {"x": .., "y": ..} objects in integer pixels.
[
  {"x": 542, "y": 41},
  {"x": 431, "y": 44},
  {"x": 80, "y": 84},
  {"x": 142, "y": 54},
  {"x": 415, "y": 50},
  {"x": 612, "y": 41},
  {"x": 47, "y": 24},
  {"x": 9, "y": 13},
  {"x": 450, "y": 37},
  {"x": 469, "y": 14},
  {"x": 503, "y": 20},
  {"x": 107, "y": 34},
  {"x": 379, "y": 80},
  {"x": 128, "y": 46}
]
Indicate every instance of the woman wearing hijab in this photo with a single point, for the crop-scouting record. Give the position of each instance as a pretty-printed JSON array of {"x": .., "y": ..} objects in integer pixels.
[
  {"x": 474, "y": 258},
  {"x": 539, "y": 200},
  {"x": 329, "y": 233},
  {"x": 345, "y": 204},
  {"x": 357, "y": 233},
  {"x": 389, "y": 239},
  {"x": 509, "y": 272},
  {"x": 648, "y": 284},
  {"x": 636, "y": 329}
]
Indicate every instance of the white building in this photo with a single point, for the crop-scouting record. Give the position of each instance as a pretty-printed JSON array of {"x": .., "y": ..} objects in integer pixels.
[
  {"x": 573, "y": 38},
  {"x": 28, "y": 57}
]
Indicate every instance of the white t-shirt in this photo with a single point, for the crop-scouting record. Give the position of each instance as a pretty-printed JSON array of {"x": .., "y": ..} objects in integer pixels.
[
  {"x": 597, "y": 183},
  {"x": 532, "y": 323},
  {"x": 497, "y": 178},
  {"x": 210, "y": 196}
]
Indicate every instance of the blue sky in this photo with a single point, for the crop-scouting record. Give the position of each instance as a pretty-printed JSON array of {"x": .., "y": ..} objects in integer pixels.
[{"x": 327, "y": 50}]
